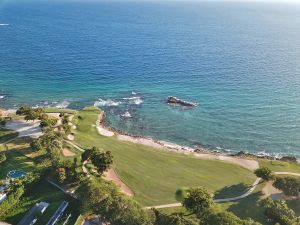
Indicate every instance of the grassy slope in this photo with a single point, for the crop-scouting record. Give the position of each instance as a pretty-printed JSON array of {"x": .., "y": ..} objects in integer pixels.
[
  {"x": 56, "y": 110},
  {"x": 15, "y": 161},
  {"x": 6, "y": 135},
  {"x": 18, "y": 158},
  {"x": 43, "y": 192},
  {"x": 155, "y": 175},
  {"x": 281, "y": 166}
]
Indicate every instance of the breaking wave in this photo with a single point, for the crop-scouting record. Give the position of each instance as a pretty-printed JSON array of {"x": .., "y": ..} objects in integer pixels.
[
  {"x": 59, "y": 105},
  {"x": 108, "y": 102},
  {"x": 126, "y": 114},
  {"x": 62, "y": 105},
  {"x": 136, "y": 100}
]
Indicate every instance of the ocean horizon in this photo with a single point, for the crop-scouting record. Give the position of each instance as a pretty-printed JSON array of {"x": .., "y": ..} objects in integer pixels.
[{"x": 240, "y": 62}]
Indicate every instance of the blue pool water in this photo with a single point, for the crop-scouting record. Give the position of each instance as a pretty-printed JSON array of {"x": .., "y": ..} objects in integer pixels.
[
  {"x": 239, "y": 61},
  {"x": 14, "y": 174}
]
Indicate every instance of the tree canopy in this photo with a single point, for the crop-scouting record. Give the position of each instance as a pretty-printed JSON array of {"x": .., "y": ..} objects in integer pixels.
[
  {"x": 100, "y": 159},
  {"x": 265, "y": 173},
  {"x": 289, "y": 185},
  {"x": 198, "y": 201},
  {"x": 104, "y": 199},
  {"x": 279, "y": 212}
]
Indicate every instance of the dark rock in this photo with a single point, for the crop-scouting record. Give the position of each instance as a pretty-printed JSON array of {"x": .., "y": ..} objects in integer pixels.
[
  {"x": 174, "y": 100},
  {"x": 288, "y": 159}
]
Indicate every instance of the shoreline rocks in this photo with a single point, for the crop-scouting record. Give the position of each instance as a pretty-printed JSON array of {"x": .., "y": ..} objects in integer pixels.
[{"x": 175, "y": 100}]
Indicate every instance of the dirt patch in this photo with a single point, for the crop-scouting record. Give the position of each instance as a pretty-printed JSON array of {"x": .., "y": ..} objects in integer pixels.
[
  {"x": 270, "y": 191},
  {"x": 68, "y": 153},
  {"x": 111, "y": 175}
]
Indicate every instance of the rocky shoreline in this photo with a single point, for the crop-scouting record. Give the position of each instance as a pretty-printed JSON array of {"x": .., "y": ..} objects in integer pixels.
[
  {"x": 185, "y": 149},
  {"x": 124, "y": 136}
]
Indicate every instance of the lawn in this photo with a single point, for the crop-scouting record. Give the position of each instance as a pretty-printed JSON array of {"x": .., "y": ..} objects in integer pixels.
[
  {"x": 20, "y": 157},
  {"x": 155, "y": 175},
  {"x": 56, "y": 110},
  {"x": 280, "y": 166},
  {"x": 16, "y": 161},
  {"x": 47, "y": 193},
  {"x": 6, "y": 135}
]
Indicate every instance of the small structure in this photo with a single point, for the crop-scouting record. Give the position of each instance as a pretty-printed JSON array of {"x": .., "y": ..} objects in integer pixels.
[
  {"x": 32, "y": 215},
  {"x": 58, "y": 213},
  {"x": 3, "y": 194}
]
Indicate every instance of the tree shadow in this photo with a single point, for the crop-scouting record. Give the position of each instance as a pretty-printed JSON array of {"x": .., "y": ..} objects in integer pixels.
[
  {"x": 231, "y": 191},
  {"x": 8, "y": 136},
  {"x": 248, "y": 208}
]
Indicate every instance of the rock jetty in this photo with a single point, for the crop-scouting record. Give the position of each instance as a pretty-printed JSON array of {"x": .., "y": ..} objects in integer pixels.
[{"x": 175, "y": 100}]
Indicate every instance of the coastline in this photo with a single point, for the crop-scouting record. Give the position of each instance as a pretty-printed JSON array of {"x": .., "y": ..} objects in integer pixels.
[
  {"x": 244, "y": 159},
  {"x": 105, "y": 129}
]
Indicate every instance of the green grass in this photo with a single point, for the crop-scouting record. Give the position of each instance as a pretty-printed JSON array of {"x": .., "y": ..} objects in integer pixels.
[
  {"x": 46, "y": 192},
  {"x": 295, "y": 205},
  {"x": 155, "y": 175},
  {"x": 16, "y": 161},
  {"x": 247, "y": 207},
  {"x": 280, "y": 166},
  {"x": 55, "y": 110},
  {"x": 6, "y": 135},
  {"x": 72, "y": 149}
]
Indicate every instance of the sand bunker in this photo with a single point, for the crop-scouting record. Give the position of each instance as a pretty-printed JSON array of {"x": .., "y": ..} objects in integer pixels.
[
  {"x": 31, "y": 129},
  {"x": 71, "y": 137},
  {"x": 111, "y": 175},
  {"x": 105, "y": 132},
  {"x": 67, "y": 152}
]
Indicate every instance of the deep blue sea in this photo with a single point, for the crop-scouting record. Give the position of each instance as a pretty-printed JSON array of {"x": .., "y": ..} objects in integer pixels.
[{"x": 239, "y": 61}]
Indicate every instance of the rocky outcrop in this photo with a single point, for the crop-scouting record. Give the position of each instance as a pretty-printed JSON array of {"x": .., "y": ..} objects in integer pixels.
[
  {"x": 174, "y": 100},
  {"x": 288, "y": 159}
]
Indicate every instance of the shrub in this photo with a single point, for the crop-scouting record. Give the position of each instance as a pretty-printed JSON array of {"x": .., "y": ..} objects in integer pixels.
[
  {"x": 279, "y": 212},
  {"x": 2, "y": 157},
  {"x": 289, "y": 185},
  {"x": 265, "y": 173},
  {"x": 198, "y": 201}
]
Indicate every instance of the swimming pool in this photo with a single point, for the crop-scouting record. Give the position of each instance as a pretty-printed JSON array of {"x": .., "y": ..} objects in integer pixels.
[{"x": 14, "y": 174}]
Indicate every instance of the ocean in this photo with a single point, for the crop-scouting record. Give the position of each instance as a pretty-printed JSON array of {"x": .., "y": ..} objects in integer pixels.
[{"x": 240, "y": 62}]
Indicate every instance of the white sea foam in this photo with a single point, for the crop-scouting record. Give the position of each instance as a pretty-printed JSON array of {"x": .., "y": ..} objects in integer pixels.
[
  {"x": 136, "y": 100},
  {"x": 126, "y": 114},
  {"x": 108, "y": 102},
  {"x": 59, "y": 105},
  {"x": 131, "y": 98},
  {"x": 4, "y": 24},
  {"x": 133, "y": 93},
  {"x": 62, "y": 105},
  {"x": 2, "y": 96}
]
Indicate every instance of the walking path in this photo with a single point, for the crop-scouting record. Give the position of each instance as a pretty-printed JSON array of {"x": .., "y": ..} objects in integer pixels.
[
  {"x": 74, "y": 145},
  {"x": 246, "y": 194}
]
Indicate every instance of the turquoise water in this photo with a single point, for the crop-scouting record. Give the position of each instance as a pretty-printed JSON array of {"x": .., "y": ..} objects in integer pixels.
[{"x": 239, "y": 61}]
